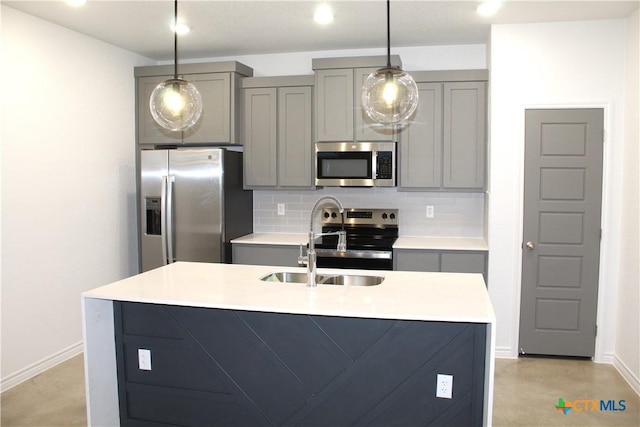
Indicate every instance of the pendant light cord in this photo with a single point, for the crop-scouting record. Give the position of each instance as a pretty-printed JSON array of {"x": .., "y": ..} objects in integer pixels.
[
  {"x": 175, "y": 40},
  {"x": 388, "y": 35}
]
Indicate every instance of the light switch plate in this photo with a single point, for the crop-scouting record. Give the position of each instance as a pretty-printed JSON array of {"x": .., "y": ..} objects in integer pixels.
[
  {"x": 144, "y": 359},
  {"x": 444, "y": 386},
  {"x": 280, "y": 209}
]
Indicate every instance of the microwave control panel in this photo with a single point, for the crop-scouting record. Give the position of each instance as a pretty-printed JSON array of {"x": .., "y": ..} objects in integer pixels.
[{"x": 384, "y": 165}]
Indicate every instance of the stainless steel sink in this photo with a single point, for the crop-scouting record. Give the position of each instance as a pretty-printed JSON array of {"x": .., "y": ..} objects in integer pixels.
[
  {"x": 285, "y": 276},
  {"x": 350, "y": 280},
  {"x": 324, "y": 279}
]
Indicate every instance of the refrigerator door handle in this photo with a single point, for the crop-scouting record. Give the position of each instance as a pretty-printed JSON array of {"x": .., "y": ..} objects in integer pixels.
[
  {"x": 163, "y": 218},
  {"x": 169, "y": 221}
]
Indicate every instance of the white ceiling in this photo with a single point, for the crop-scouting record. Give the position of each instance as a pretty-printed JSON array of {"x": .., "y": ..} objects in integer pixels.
[{"x": 228, "y": 28}]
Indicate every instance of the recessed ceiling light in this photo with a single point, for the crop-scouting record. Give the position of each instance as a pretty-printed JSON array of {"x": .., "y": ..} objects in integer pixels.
[
  {"x": 323, "y": 14},
  {"x": 180, "y": 28},
  {"x": 488, "y": 7},
  {"x": 76, "y": 3}
]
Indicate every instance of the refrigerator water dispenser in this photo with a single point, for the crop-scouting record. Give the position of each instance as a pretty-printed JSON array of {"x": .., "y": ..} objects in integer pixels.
[{"x": 154, "y": 213}]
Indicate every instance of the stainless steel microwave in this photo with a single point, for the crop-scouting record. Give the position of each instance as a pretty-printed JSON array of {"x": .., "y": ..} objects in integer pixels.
[{"x": 356, "y": 164}]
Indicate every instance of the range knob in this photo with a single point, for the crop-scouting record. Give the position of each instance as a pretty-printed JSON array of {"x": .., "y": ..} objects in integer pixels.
[
  {"x": 384, "y": 216},
  {"x": 392, "y": 216},
  {"x": 326, "y": 215},
  {"x": 334, "y": 215}
]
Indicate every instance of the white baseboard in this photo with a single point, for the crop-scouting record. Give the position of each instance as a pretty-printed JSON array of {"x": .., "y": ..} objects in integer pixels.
[
  {"x": 40, "y": 366},
  {"x": 505, "y": 353},
  {"x": 605, "y": 358},
  {"x": 627, "y": 374}
]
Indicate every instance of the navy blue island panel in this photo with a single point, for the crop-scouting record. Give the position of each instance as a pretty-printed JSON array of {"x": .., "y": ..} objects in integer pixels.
[{"x": 214, "y": 367}]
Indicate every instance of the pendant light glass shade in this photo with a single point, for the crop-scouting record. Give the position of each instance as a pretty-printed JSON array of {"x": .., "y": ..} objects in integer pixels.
[
  {"x": 176, "y": 104},
  {"x": 389, "y": 95}
]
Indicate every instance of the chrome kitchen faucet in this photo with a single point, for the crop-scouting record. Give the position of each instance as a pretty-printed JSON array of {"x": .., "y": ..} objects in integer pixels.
[{"x": 310, "y": 258}]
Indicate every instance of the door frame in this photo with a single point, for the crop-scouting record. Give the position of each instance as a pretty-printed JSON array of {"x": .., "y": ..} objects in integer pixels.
[{"x": 606, "y": 247}]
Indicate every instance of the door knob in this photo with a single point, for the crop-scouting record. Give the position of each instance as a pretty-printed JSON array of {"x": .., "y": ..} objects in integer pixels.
[{"x": 530, "y": 246}]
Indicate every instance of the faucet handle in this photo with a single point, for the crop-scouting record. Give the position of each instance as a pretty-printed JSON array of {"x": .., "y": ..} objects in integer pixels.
[
  {"x": 302, "y": 260},
  {"x": 342, "y": 241}
]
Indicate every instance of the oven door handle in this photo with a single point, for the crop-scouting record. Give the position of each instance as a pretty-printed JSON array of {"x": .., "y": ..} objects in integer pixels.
[{"x": 332, "y": 253}]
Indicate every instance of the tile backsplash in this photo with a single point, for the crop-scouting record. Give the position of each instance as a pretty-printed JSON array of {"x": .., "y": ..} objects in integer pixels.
[{"x": 455, "y": 214}]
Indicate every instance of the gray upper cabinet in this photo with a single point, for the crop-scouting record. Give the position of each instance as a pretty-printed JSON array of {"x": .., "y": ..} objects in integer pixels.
[
  {"x": 260, "y": 133},
  {"x": 149, "y": 132},
  {"x": 465, "y": 124},
  {"x": 215, "y": 124},
  {"x": 420, "y": 154},
  {"x": 338, "y": 107},
  {"x": 334, "y": 105},
  {"x": 277, "y": 129},
  {"x": 295, "y": 145},
  {"x": 219, "y": 88},
  {"x": 365, "y": 128},
  {"x": 444, "y": 145}
]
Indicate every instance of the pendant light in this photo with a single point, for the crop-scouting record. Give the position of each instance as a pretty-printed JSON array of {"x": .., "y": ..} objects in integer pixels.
[
  {"x": 175, "y": 104},
  {"x": 389, "y": 95}
]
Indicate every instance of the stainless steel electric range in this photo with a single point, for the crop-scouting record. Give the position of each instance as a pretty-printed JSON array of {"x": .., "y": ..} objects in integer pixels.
[{"x": 370, "y": 237}]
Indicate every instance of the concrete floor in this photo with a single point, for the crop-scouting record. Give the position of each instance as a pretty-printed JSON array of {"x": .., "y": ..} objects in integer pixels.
[{"x": 526, "y": 393}]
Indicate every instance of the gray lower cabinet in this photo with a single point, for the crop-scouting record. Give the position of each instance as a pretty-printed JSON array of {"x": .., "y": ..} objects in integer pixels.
[
  {"x": 218, "y": 84},
  {"x": 277, "y": 130},
  {"x": 280, "y": 255},
  {"x": 440, "y": 261},
  {"x": 444, "y": 145},
  {"x": 242, "y": 368},
  {"x": 416, "y": 260}
]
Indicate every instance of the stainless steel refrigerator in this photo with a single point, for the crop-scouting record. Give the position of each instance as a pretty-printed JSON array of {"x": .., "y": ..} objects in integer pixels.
[{"x": 191, "y": 205}]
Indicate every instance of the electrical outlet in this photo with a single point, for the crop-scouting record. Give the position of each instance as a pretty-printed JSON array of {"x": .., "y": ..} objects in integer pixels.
[
  {"x": 444, "y": 386},
  {"x": 280, "y": 209},
  {"x": 144, "y": 359},
  {"x": 430, "y": 211}
]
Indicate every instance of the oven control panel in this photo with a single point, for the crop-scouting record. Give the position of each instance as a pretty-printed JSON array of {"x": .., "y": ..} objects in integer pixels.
[{"x": 364, "y": 217}]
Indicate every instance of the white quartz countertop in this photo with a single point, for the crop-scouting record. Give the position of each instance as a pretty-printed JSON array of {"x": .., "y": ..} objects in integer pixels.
[
  {"x": 450, "y": 297},
  {"x": 441, "y": 243},
  {"x": 418, "y": 243},
  {"x": 293, "y": 239}
]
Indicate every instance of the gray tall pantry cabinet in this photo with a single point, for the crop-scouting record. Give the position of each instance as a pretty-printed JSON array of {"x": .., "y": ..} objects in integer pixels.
[
  {"x": 277, "y": 132},
  {"x": 218, "y": 84},
  {"x": 444, "y": 145}
]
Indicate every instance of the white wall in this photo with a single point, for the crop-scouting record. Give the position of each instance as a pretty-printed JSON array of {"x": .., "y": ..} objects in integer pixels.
[
  {"x": 454, "y": 57},
  {"x": 627, "y": 349},
  {"x": 68, "y": 185},
  {"x": 558, "y": 64}
]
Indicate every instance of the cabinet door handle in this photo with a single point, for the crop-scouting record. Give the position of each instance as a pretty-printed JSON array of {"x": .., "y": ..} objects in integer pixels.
[{"x": 530, "y": 246}]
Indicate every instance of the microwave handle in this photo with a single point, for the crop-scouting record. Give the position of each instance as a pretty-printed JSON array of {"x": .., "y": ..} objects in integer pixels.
[{"x": 374, "y": 165}]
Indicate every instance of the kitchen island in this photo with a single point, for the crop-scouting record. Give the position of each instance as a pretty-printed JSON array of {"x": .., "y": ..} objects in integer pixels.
[{"x": 226, "y": 348}]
